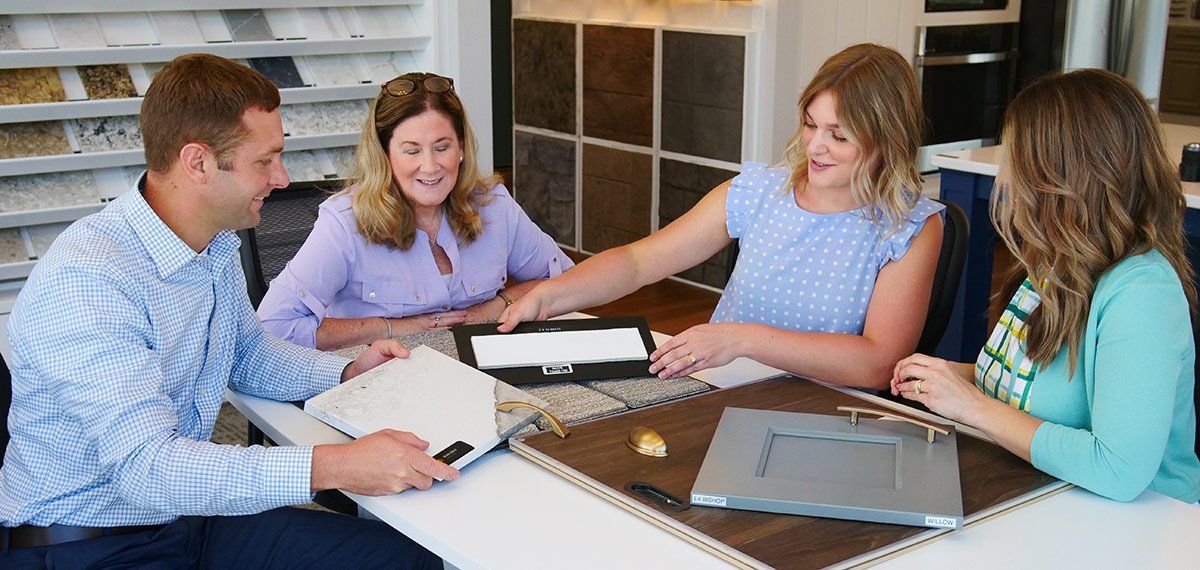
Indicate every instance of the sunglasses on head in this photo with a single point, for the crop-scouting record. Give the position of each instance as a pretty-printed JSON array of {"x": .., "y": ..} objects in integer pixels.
[{"x": 401, "y": 86}]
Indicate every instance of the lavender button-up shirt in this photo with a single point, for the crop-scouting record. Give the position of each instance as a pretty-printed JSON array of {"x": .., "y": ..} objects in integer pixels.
[{"x": 338, "y": 274}]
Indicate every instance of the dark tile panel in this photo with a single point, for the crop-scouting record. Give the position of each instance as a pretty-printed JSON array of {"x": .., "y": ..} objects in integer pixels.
[
  {"x": 544, "y": 75},
  {"x": 681, "y": 186},
  {"x": 280, "y": 70},
  {"x": 544, "y": 183},
  {"x": 703, "y": 79},
  {"x": 617, "y": 188},
  {"x": 618, "y": 83}
]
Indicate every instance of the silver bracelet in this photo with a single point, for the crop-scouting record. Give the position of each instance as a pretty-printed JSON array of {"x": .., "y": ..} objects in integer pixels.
[{"x": 389, "y": 327}]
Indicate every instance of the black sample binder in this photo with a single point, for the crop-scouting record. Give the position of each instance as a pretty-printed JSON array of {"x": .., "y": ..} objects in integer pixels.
[{"x": 560, "y": 350}]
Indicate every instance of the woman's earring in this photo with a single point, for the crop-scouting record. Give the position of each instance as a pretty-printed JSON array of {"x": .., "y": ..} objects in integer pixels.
[{"x": 461, "y": 157}]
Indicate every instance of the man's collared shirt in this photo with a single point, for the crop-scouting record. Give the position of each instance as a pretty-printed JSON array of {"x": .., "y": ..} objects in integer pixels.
[{"x": 123, "y": 341}]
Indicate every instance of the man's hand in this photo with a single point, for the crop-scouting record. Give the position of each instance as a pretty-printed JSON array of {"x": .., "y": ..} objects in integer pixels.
[
  {"x": 383, "y": 463},
  {"x": 380, "y": 351}
]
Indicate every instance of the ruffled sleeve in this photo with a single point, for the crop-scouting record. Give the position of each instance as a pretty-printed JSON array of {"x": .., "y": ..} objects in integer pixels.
[
  {"x": 896, "y": 245},
  {"x": 746, "y": 193}
]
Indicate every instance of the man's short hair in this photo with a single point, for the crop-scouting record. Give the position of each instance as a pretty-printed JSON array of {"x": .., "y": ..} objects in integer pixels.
[{"x": 200, "y": 98}]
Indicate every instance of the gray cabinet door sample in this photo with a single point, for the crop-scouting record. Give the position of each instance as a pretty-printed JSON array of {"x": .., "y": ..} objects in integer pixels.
[{"x": 817, "y": 465}]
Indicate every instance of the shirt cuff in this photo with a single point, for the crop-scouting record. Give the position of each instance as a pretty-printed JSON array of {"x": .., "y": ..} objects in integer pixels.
[
  {"x": 327, "y": 371},
  {"x": 288, "y": 476}
]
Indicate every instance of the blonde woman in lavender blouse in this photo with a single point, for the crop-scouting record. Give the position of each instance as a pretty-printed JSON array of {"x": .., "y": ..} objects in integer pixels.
[{"x": 418, "y": 241}]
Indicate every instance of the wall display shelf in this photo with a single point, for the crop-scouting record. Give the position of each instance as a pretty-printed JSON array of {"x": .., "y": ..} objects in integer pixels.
[{"x": 73, "y": 75}]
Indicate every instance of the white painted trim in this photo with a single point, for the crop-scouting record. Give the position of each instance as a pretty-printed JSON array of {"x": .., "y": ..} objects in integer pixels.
[
  {"x": 544, "y": 132},
  {"x": 709, "y": 162},
  {"x": 76, "y": 6},
  {"x": 47, "y": 216}
]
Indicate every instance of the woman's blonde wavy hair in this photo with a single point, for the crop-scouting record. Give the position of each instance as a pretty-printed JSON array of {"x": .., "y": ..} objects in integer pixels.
[
  {"x": 879, "y": 112},
  {"x": 1085, "y": 183},
  {"x": 384, "y": 216}
]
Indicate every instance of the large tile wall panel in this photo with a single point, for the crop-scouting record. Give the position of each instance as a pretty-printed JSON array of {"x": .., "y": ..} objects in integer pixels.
[
  {"x": 681, "y": 186},
  {"x": 618, "y": 84},
  {"x": 30, "y": 85},
  {"x": 703, "y": 80},
  {"x": 544, "y": 183},
  {"x": 544, "y": 75},
  {"x": 33, "y": 139},
  {"x": 617, "y": 189}
]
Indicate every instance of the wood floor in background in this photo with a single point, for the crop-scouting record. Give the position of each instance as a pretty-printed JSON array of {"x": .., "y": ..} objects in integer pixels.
[{"x": 670, "y": 307}]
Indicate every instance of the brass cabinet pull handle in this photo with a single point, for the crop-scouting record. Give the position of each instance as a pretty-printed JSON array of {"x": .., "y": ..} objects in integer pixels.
[
  {"x": 854, "y": 411},
  {"x": 555, "y": 426}
]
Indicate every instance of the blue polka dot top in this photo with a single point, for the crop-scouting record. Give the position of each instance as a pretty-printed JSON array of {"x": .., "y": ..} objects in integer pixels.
[{"x": 803, "y": 271}]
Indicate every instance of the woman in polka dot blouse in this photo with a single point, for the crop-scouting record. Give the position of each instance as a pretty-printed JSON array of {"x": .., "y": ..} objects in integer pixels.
[{"x": 838, "y": 249}]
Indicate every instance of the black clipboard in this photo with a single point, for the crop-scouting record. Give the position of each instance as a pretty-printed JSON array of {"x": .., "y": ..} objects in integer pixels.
[{"x": 560, "y": 372}]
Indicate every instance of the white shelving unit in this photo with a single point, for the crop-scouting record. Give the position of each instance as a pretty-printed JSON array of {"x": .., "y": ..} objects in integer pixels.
[{"x": 378, "y": 38}]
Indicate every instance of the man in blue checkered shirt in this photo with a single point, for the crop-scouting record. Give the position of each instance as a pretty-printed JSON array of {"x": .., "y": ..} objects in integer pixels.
[{"x": 124, "y": 339}]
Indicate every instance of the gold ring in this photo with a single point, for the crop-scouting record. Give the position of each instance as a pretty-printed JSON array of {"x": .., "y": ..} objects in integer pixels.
[
  {"x": 691, "y": 357},
  {"x": 917, "y": 387},
  {"x": 437, "y": 320}
]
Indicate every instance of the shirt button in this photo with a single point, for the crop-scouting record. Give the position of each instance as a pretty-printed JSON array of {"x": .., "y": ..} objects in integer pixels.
[
  {"x": 555, "y": 260},
  {"x": 302, "y": 293},
  {"x": 472, "y": 289},
  {"x": 372, "y": 295},
  {"x": 202, "y": 391},
  {"x": 417, "y": 297}
]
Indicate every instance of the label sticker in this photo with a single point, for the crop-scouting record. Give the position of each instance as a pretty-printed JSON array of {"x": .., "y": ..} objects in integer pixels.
[
  {"x": 941, "y": 522},
  {"x": 708, "y": 500},
  {"x": 556, "y": 369}
]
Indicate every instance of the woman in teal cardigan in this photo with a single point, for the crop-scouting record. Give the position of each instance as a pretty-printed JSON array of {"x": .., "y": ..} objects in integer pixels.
[{"x": 1089, "y": 372}]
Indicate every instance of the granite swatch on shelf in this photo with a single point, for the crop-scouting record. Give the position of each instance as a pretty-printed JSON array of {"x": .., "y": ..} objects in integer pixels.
[
  {"x": 280, "y": 70},
  {"x": 107, "y": 81},
  {"x": 43, "y": 236},
  {"x": 51, "y": 190},
  {"x": 544, "y": 75},
  {"x": 544, "y": 183},
  {"x": 30, "y": 85},
  {"x": 618, "y": 84},
  {"x": 324, "y": 118},
  {"x": 45, "y": 138},
  {"x": 99, "y": 134},
  {"x": 332, "y": 70},
  {"x": 385, "y": 66},
  {"x": 12, "y": 247},
  {"x": 302, "y": 166},
  {"x": 177, "y": 28},
  {"x": 617, "y": 188},
  {"x": 77, "y": 31},
  {"x": 681, "y": 185},
  {"x": 343, "y": 161},
  {"x": 8, "y": 36},
  {"x": 248, "y": 25},
  {"x": 703, "y": 80}
]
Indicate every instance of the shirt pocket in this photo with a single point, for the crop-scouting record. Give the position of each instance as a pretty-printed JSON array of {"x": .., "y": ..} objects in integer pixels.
[
  {"x": 481, "y": 285},
  {"x": 396, "y": 297}
]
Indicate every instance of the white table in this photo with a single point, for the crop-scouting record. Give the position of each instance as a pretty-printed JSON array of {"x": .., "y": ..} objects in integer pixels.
[{"x": 506, "y": 512}]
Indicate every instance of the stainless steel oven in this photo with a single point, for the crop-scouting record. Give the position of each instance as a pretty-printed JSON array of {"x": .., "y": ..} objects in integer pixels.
[
  {"x": 964, "y": 5},
  {"x": 967, "y": 76}
]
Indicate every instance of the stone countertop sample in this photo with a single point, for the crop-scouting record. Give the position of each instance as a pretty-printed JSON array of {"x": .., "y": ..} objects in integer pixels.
[
  {"x": 324, "y": 118},
  {"x": 108, "y": 133},
  {"x": 77, "y": 31},
  {"x": 986, "y": 160},
  {"x": 30, "y": 85},
  {"x": 280, "y": 70},
  {"x": 44, "y": 138},
  {"x": 177, "y": 28},
  {"x": 43, "y": 236},
  {"x": 302, "y": 166},
  {"x": 343, "y": 160},
  {"x": 385, "y": 66},
  {"x": 8, "y": 36},
  {"x": 332, "y": 70},
  {"x": 12, "y": 247},
  {"x": 248, "y": 25},
  {"x": 107, "y": 81},
  {"x": 41, "y": 191}
]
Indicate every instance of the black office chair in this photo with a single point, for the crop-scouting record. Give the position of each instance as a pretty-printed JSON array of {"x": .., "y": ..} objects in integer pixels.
[
  {"x": 5, "y": 404},
  {"x": 287, "y": 216}
]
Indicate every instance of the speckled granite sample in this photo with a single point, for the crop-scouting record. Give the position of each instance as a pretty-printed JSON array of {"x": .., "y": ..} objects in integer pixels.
[
  {"x": 77, "y": 31},
  {"x": 343, "y": 160},
  {"x": 41, "y": 191},
  {"x": 332, "y": 70},
  {"x": 643, "y": 391},
  {"x": 43, "y": 236},
  {"x": 8, "y": 36},
  {"x": 12, "y": 247},
  {"x": 108, "y": 133},
  {"x": 544, "y": 183},
  {"x": 544, "y": 74},
  {"x": 385, "y": 66},
  {"x": 573, "y": 403},
  {"x": 302, "y": 166},
  {"x": 324, "y": 118},
  {"x": 107, "y": 81},
  {"x": 248, "y": 25},
  {"x": 30, "y": 85},
  {"x": 33, "y": 139},
  {"x": 175, "y": 28},
  {"x": 280, "y": 70}
]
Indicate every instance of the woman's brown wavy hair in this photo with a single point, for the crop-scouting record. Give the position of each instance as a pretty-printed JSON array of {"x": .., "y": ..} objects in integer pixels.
[
  {"x": 879, "y": 112},
  {"x": 1085, "y": 182},
  {"x": 384, "y": 216}
]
